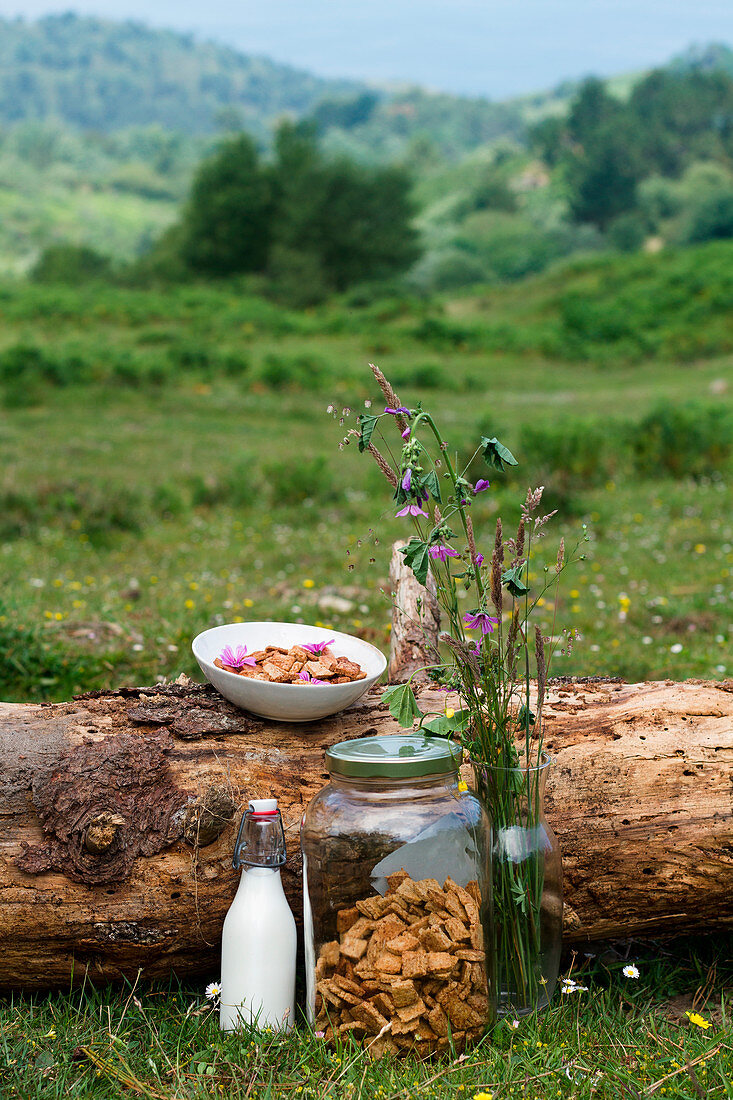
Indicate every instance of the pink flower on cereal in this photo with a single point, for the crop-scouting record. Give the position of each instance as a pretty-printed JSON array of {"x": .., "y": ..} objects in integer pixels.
[{"x": 236, "y": 660}]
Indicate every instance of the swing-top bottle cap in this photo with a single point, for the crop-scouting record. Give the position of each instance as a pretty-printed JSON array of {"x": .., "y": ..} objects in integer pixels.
[
  {"x": 261, "y": 839},
  {"x": 263, "y": 806}
]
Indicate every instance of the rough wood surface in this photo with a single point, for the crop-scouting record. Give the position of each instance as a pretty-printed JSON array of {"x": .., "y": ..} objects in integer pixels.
[
  {"x": 415, "y": 620},
  {"x": 102, "y": 801}
]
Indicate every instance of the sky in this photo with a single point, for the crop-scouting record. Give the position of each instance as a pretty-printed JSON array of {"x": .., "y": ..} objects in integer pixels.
[{"x": 495, "y": 48}]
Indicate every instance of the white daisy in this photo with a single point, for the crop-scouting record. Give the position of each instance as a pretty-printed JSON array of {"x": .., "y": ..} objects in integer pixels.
[
  {"x": 630, "y": 971},
  {"x": 568, "y": 985},
  {"x": 213, "y": 991}
]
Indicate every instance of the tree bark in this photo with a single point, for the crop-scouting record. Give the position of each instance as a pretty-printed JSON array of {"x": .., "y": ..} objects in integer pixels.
[
  {"x": 415, "y": 621},
  {"x": 119, "y": 813}
]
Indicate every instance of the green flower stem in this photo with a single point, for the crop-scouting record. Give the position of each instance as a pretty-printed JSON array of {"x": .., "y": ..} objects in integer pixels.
[{"x": 454, "y": 479}]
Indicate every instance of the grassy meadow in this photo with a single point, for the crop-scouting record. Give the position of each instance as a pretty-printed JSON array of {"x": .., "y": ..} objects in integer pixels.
[{"x": 168, "y": 463}]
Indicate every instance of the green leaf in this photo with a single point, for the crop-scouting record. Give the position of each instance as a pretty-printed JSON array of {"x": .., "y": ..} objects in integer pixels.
[
  {"x": 430, "y": 482},
  {"x": 519, "y": 894},
  {"x": 442, "y": 726},
  {"x": 402, "y": 704},
  {"x": 496, "y": 454},
  {"x": 367, "y": 423},
  {"x": 512, "y": 578},
  {"x": 417, "y": 557},
  {"x": 524, "y": 716}
]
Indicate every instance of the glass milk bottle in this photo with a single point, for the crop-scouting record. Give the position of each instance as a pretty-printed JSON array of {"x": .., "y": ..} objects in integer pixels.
[{"x": 259, "y": 937}]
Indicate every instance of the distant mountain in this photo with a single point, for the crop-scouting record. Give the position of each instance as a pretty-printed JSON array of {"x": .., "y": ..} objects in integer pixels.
[
  {"x": 104, "y": 76},
  {"x": 100, "y": 75}
]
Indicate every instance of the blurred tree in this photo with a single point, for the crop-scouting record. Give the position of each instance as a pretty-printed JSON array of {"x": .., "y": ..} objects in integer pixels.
[
  {"x": 592, "y": 109},
  {"x": 227, "y": 224},
  {"x": 303, "y": 219},
  {"x": 550, "y": 139},
  {"x": 604, "y": 175},
  {"x": 356, "y": 221}
]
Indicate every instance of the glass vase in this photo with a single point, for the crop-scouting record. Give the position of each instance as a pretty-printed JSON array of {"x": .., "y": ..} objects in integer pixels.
[{"x": 527, "y": 882}]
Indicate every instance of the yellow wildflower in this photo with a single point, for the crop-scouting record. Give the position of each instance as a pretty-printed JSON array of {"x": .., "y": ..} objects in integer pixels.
[
  {"x": 696, "y": 1018},
  {"x": 308, "y": 583}
]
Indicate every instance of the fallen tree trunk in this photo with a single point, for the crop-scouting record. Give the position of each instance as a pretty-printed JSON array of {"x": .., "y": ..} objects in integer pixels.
[{"x": 119, "y": 813}]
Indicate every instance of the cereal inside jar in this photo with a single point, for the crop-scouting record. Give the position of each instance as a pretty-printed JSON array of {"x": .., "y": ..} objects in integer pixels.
[{"x": 397, "y": 899}]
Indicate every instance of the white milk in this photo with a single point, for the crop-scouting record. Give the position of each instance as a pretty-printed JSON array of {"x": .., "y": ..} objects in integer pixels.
[{"x": 258, "y": 955}]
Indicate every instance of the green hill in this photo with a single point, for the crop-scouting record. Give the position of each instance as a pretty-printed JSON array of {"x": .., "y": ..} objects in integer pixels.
[
  {"x": 95, "y": 74},
  {"x": 99, "y": 75}
]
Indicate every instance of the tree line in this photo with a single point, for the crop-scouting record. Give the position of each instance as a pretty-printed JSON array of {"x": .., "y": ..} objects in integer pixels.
[{"x": 605, "y": 148}]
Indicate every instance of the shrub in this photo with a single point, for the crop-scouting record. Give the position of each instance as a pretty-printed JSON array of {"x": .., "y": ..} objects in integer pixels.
[
  {"x": 427, "y": 376},
  {"x": 292, "y": 372},
  {"x": 26, "y": 370},
  {"x": 451, "y": 270},
  {"x": 103, "y": 509},
  {"x": 294, "y": 482},
  {"x": 712, "y": 218},
  {"x": 571, "y": 454},
  {"x": 628, "y": 232},
  {"x": 693, "y": 440},
  {"x": 72, "y": 264},
  {"x": 439, "y": 333}
]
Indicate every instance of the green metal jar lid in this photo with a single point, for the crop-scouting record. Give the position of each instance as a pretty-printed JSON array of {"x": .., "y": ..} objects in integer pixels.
[{"x": 395, "y": 757}]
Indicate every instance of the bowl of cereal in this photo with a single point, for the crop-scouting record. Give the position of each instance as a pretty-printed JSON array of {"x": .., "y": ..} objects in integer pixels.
[{"x": 289, "y": 672}]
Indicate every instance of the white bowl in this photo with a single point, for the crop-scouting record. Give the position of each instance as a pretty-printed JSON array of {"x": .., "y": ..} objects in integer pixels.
[{"x": 285, "y": 702}]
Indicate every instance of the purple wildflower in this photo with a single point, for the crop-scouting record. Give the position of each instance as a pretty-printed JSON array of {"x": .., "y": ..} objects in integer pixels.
[
  {"x": 481, "y": 619},
  {"x": 317, "y": 647},
  {"x": 479, "y": 560},
  {"x": 407, "y": 480},
  {"x": 406, "y": 433},
  {"x": 412, "y": 510},
  {"x": 480, "y": 485},
  {"x": 238, "y": 659},
  {"x": 308, "y": 678},
  {"x": 442, "y": 552},
  {"x": 398, "y": 410}
]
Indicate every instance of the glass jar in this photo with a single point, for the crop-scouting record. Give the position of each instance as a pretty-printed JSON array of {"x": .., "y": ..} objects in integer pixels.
[
  {"x": 397, "y": 898},
  {"x": 527, "y": 882}
]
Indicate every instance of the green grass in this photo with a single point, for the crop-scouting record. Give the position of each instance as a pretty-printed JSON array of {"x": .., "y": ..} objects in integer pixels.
[
  {"x": 167, "y": 463},
  {"x": 622, "y": 1038}
]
